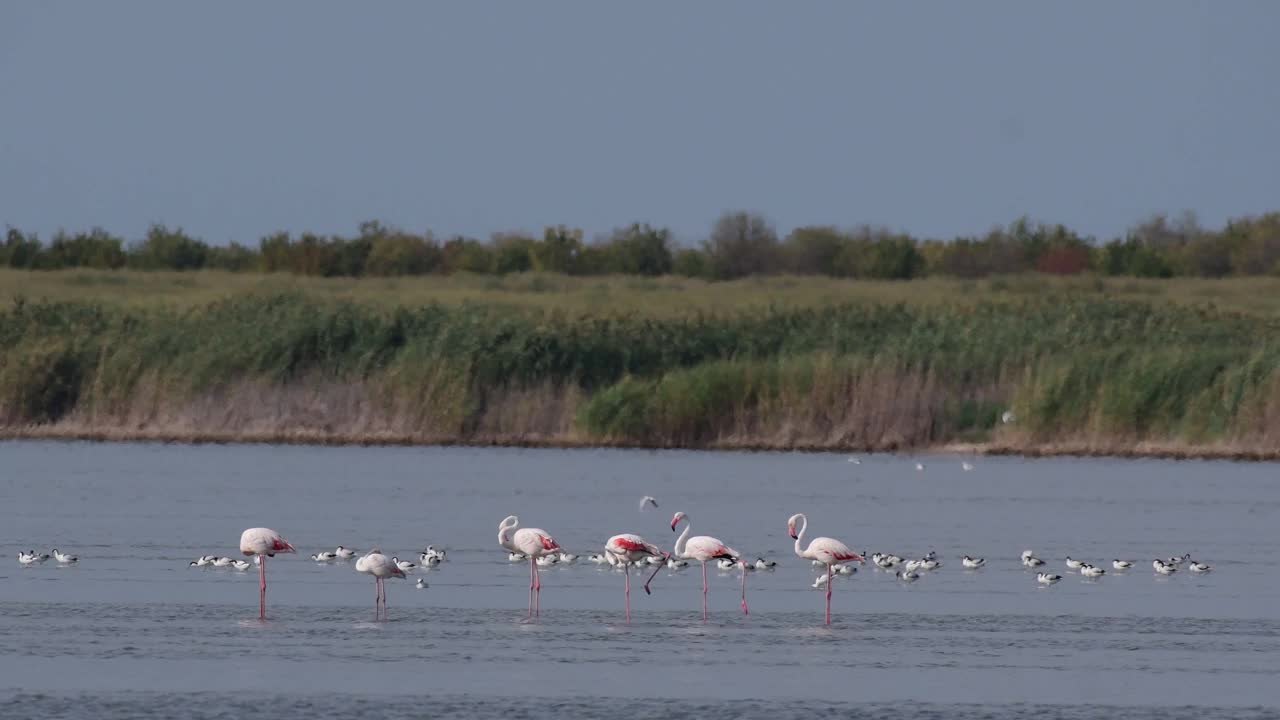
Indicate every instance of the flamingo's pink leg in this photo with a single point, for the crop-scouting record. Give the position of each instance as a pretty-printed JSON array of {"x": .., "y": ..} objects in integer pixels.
[
  {"x": 262, "y": 588},
  {"x": 830, "y": 581},
  {"x": 537, "y": 591},
  {"x": 744, "y": 587},
  {"x": 655, "y": 572},
  {"x": 532, "y": 567},
  {"x": 704, "y": 591},
  {"x": 627, "y": 592}
]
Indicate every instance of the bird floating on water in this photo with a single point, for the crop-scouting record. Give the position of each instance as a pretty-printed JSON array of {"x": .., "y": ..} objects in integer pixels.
[
  {"x": 422, "y": 584},
  {"x": 1121, "y": 564},
  {"x": 966, "y": 466},
  {"x": 64, "y": 558},
  {"x": 1047, "y": 578},
  {"x": 907, "y": 575},
  {"x": 972, "y": 563},
  {"x": 762, "y": 564},
  {"x": 1074, "y": 564},
  {"x": 344, "y": 552},
  {"x": 242, "y": 565},
  {"x": 324, "y": 557},
  {"x": 404, "y": 565},
  {"x": 1199, "y": 567},
  {"x": 1092, "y": 571}
]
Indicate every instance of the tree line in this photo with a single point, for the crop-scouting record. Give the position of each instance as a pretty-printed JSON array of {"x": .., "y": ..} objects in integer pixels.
[{"x": 739, "y": 244}]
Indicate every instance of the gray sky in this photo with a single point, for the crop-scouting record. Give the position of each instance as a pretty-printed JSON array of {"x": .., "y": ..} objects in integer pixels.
[{"x": 233, "y": 119}]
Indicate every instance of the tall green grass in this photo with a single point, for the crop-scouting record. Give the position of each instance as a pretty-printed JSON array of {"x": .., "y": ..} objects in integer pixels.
[{"x": 878, "y": 376}]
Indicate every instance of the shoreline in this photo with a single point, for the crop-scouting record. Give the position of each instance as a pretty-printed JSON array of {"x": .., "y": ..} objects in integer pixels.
[{"x": 1077, "y": 449}]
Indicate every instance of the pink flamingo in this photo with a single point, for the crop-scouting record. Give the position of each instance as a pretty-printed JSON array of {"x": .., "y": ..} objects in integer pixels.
[
  {"x": 822, "y": 549},
  {"x": 630, "y": 549},
  {"x": 704, "y": 548},
  {"x": 264, "y": 543},
  {"x": 380, "y": 567},
  {"x": 533, "y": 543}
]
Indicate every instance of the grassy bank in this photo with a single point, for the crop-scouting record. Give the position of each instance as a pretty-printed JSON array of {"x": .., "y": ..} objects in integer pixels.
[
  {"x": 656, "y": 297},
  {"x": 1081, "y": 367}
]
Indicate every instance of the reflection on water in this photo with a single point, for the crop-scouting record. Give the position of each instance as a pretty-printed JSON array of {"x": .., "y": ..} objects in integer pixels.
[{"x": 132, "y": 631}]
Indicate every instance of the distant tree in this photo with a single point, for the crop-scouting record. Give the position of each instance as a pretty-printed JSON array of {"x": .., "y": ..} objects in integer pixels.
[
  {"x": 639, "y": 249},
  {"x": 233, "y": 258},
  {"x": 402, "y": 253},
  {"x": 813, "y": 249},
  {"x": 513, "y": 253},
  {"x": 165, "y": 249},
  {"x": 20, "y": 250},
  {"x": 559, "y": 250},
  {"x": 741, "y": 244},
  {"x": 94, "y": 249},
  {"x": 463, "y": 254},
  {"x": 691, "y": 262}
]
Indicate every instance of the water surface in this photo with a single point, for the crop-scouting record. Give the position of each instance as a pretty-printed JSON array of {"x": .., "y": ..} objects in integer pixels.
[{"x": 132, "y": 631}]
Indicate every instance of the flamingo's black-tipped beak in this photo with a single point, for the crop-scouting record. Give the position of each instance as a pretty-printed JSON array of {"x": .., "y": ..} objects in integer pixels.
[
  {"x": 673, "y": 527},
  {"x": 792, "y": 532}
]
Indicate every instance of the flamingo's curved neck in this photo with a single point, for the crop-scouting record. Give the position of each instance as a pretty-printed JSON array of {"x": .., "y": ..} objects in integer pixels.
[
  {"x": 504, "y": 532},
  {"x": 804, "y": 525},
  {"x": 679, "y": 548}
]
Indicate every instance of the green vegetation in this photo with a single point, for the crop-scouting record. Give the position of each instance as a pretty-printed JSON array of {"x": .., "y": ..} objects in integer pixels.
[
  {"x": 829, "y": 375},
  {"x": 740, "y": 244}
]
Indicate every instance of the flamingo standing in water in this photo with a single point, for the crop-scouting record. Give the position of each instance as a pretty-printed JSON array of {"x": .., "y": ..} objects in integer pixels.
[
  {"x": 704, "y": 548},
  {"x": 632, "y": 549},
  {"x": 533, "y": 543},
  {"x": 264, "y": 543},
  {"x": 821, "y": 549},
  {"x": 380, "y": 567}
]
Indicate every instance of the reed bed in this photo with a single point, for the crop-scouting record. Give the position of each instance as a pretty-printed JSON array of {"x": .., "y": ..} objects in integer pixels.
[{"x": 1075, "y": 371}]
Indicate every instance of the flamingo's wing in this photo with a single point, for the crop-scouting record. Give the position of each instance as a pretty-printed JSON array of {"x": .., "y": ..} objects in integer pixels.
[
  {"x": 709, "y": 548},
  {"x": 825, "y": 548},
  {"x": 534, "y": 541}
]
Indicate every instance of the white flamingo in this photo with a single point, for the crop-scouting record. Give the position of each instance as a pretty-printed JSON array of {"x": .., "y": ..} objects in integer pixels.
[
  {"x": 633, "y": 549},
  {"x": 532, "y": 543},
  {"x": 380, "y": 567},
  {"x": 704, "y": 549},
  {"x": 263, "y": 543},
  {"x": 830, "y": 552}
]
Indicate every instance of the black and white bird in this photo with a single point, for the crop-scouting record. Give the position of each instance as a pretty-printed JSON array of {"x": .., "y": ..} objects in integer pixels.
[
  {"x": 1092, "y": 571},
  {"x": 344, "y": 553},
  {"x": 404, "y": 565},
  {"x": 324, "y": 557},
  {"x": 762, "y": 564},
  {"x": 1047, "y": 578},
  {"x": 972, "y": 563},
  {"x": 1121, "y": 564},
  {"x": 64, "y": 558}
]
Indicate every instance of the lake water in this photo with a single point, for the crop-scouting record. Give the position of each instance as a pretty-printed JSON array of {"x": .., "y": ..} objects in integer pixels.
[{"x": 132, "y": 631}]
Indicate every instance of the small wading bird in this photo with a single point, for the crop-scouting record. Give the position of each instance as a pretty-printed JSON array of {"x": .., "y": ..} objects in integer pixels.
[
  {"x": 632, "y": 549},
  {"x": 531, "y": 543},
  {"x": 380, "y": 567},
  {"x": 263, "y": 543},
  {"x": 704, "y": 549},
  {"x": 64, "y": 558},
  {"x": 830, "y": 552}
]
